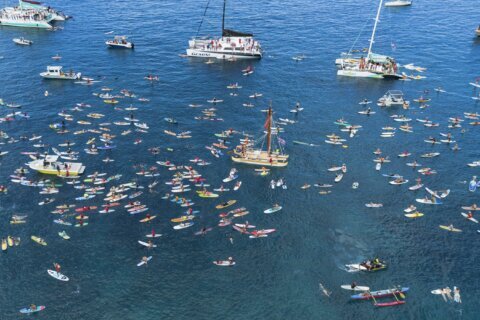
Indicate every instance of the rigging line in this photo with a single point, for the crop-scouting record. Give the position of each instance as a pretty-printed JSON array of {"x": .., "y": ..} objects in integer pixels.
[
  {"x": 203, "y": 18},
  {"x": 359, "y": 34}
]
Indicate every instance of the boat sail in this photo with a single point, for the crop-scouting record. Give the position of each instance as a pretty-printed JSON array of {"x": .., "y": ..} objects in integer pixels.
[
  {"x": 248, "y": 153},
  {"x": 374, "y": 66},
  {"x": 232, "y": 45}
]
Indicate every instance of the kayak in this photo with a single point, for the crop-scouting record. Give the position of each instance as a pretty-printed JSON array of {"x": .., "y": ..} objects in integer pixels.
[
  {"x": 224, "y": 263},
  {"x": 183, "y": 218},
  {"x": 64, "y": 235},
  {"x": 428, "y": 201},
  {"x": 146, "y": 244},
  {"x": 141, "y": 263},
  {"x": 414, "y": 215},
  {"x": 148, "y": 219},
  {"x": 356, "y": 288},
  {"x": 57, "y": 275},
  {"x": 28, "y": 310},
  {"x": 378, "y": 294},
  {"x": 183, "y": 225},
  {"x": 39, "y": 240},
  {"x": 273, "y": 209},
  {"x": 389, "y": 304},
  {"x": 448, "y": 228},
  {"x": 225, "y": 204},
  {"x": 471, "y": 219}
]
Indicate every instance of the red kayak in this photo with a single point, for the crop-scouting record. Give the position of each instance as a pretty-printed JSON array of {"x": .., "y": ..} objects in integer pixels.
[
  {"x": 389, "y": 304},
  {"x": 84, "y": 209}
]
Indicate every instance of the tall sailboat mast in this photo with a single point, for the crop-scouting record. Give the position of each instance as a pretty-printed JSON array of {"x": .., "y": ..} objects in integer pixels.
[
  {"x": 372, "y": 39},
  {"x": 269, "y": 131},
  {"x": 223, "y": 16}
]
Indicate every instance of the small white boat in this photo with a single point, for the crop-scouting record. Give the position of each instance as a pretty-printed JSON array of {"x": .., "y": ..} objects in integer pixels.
[
  {"x": 22, "y": 41},
  {"x": 398, "y": 3},
  {"x": 120, "y": 42},
  {"x": 55, "y": 72}
]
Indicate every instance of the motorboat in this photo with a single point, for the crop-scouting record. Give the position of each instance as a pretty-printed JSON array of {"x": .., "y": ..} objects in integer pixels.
[
  {"x": 22, "y": 41},
  {"x": 55, "y": 72},
  {"x": 50, "y": 165},
  {"x": 392, "y": 98},
  {"x": 120, "y": 42},
  {"x": 398, "y": 3},
  {"x": 232, "y": 45}
]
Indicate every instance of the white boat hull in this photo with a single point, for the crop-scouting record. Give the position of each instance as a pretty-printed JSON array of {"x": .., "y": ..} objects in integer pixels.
[
  {"x": 198, "y": 53},
  {"x": 74, "y": 76},
  {"x": 398, "y": 3},
  {"x": 359, "y": 74}
]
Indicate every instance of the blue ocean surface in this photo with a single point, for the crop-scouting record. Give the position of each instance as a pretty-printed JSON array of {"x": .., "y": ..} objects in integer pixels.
[{"x": 276, "y": 277}]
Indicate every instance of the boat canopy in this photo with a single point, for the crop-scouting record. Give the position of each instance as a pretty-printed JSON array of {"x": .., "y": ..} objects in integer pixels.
[
  {"x": 233, "y": 33},
  {"x": 120, "y": 37},
  {"x": 51, "y": 158},
  {"x": 395, "y": 94},
  {"x": 380, "y": 58},
  {"x": 54, "y": 68},
  {"x": 29, "y": 4}
]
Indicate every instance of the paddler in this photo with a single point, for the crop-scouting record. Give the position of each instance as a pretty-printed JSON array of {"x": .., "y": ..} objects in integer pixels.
[
  {"x": 145, "y": 260},
  {"x": 353, "y": 285},
  {"x": 150, "y": 244},
  {"x": 57, "y": 267},
  {"x": 33, "y": 307},
  {"x": 230, "y": 260},
  {"x": 469, "y": 215}
]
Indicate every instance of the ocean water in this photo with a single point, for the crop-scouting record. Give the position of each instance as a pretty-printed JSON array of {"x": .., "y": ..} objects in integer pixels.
[{"x": 275, "y": 277}]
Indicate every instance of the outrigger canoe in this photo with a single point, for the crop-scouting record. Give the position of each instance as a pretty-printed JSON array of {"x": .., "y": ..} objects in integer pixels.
[{"x": 379, "y": 294}]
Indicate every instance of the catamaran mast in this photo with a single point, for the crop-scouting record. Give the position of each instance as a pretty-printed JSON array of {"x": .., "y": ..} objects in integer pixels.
[
  {"x": 223, "y": 16},
  {"x": 269, "y": 130},
  {"x": 372, "y": 39}
]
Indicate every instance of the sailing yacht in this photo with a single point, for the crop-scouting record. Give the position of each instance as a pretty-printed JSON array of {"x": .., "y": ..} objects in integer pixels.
[
  {"x": 232, "y": 45},
  {"x": 253, "y": 153},
  {"x": 374, "y": 65}
]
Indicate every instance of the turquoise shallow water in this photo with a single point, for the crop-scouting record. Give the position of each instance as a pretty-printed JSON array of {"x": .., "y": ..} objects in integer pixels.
[{"x": 277, "y": 276}]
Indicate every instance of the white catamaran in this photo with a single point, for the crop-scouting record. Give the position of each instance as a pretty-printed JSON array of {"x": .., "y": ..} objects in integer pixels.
[
  {"x": 252, "y": 153},
  {"x": 374, "y": 66},
  {"x": 232, "y": 45}
]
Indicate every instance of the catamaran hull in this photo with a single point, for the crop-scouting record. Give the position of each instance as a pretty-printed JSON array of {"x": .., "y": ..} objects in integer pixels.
[
  {"x": 359, "y": 74},
  {"x": 36, "y": 24},
  {"x": 197, "y": 53},
  {"x": 260, "y": 162}
]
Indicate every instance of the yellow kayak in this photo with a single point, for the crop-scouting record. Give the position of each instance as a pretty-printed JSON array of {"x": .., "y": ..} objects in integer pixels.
[
  {"x": 4, "y": 244},
  {"x": 226, "y": 204},
  {"x": 148, "y": 219},
  {"x": 414, "y": 215},
  {"x": 182, "y": 219},
  {"x": 207, "y": 195},
  {"x": 10, "y": 241},
  {"x": 39, "y": 240},
  {"x": 17, "y": 221},
  {"x": 110, "y": 101},
  {"x": 450, "y": 228}
]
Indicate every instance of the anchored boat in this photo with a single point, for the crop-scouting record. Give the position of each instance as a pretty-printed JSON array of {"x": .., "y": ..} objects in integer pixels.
[
  {"x": 55, "y": 72},
  {"x": 373, "y": 66},
  {"x": 120, "y": 42},
  {"x": 232, "y": 45},
  {"x": 51, "y": 165},
  {"x": 247, "y": 153}
]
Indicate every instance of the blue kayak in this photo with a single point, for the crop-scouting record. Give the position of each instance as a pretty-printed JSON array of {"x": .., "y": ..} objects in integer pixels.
[{"x": 28, "y": 310}]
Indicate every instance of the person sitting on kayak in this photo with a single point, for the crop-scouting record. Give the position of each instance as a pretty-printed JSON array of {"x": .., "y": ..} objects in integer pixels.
[
  {"x": 57, "y": 267},
  {"x": 353, "y": 285},
  {"x": 145, "y": 260},
  {"x": 469, "y": 215},
  {"x": 230, "y": 260},
  {"x": 33, "y": 307}
]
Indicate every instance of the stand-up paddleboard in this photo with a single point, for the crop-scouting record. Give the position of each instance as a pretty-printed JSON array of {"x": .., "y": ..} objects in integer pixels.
[
  {"x": 57, "y": 275},
  {"x": 356, "y": 288},
  {"x": 141, "y": 263},
  {"x": 148, "y": 219},
  {"x": 225, "y": 204},
  {"x": 146, "y": 244}
]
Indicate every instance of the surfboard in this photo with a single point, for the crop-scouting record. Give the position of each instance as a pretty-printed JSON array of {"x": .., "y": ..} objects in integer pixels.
[{"x": 57, "y": 275}]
